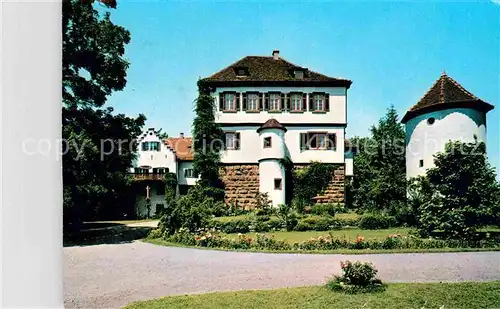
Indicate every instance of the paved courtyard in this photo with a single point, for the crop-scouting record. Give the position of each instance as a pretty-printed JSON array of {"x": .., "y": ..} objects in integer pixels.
[{"x": 111, "y": 276}]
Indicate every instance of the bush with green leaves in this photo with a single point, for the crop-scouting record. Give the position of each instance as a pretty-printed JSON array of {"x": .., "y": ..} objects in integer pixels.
[
  {"x": 460, "y": 194},
  {"x": 376, "y": 222},
  {"x": 288, "y": 216},
  {"x": 191, "y": 211},
  {"x": 324, "y": 209},
  {"x": 309, "y": 181},
  {"x": 155, "y": 233},
  {"x": 356, "y": 277},
  {"x": 316, "y": 223}
]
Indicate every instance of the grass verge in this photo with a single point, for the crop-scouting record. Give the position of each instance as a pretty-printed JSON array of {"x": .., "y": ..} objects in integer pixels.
[{"x": 469, "y": 295}]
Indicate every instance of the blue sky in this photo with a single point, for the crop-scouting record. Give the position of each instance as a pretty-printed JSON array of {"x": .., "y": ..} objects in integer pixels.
[{"x": 392, "y": 51}]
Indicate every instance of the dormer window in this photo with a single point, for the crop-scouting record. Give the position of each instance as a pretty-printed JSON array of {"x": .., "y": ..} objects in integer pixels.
[
  {"x": 241, "y": 71},
  {"x": 298, "y": 74}
]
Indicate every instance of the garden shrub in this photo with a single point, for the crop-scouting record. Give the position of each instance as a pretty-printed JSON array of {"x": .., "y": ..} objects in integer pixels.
[
  {"x": 356, "y": 277},
  {"x": 316, "y": 223},
  {"x": 236, "y": 226},
  {"x": 323, "y": 209},
  {"x": 155, "y": 233},
  {"x": 376, "y": 222},
  {"x": 460, "y": 192},
  {"x": 261, "y": 226},
  {"x": 287, "y": 216}
]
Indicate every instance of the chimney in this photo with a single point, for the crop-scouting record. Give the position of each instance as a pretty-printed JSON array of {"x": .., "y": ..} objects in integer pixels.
[
  {"x": 182, "y": 135},
  {"x": 276, "y": 54}
]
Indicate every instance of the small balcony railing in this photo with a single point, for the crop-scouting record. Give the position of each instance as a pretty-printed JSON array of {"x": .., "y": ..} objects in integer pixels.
[{"x": 146, "y": 176}]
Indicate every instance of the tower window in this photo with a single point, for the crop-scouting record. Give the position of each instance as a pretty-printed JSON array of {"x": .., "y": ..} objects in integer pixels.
[
  {"x": 267, "y": 142},
  {"x": 278, "y": 183},
  {"x": 431, "y": 121},
  {"x": 421, "y": 163}
]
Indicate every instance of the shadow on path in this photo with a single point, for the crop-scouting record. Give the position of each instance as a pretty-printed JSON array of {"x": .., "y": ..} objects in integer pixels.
[{"x": 97, "y": 233}]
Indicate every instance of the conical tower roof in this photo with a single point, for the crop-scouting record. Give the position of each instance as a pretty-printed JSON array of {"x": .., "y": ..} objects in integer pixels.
[
  {"x": 271, "y": 124},
  {"x": 444, "y": 94}
]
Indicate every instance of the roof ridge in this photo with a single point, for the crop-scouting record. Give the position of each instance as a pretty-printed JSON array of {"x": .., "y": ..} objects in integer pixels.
[{"x": 441, "y": 89}]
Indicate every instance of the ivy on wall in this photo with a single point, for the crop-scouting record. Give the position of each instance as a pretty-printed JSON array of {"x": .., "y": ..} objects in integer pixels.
[{"x": 306, "y": 182}]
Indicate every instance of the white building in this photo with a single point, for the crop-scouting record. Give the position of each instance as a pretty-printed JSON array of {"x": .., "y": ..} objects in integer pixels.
[
  {"x": 155, "y": 157},
  {"x": 446, "y": 112},
  {"x": 269, "y": 109}
]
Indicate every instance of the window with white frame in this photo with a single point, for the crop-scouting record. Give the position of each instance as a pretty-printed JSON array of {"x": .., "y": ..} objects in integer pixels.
[
  {"x": 229, "y": 101},
  {"x": 318, "y": 102},
  {"x": 318, "y": 141},
  {"x": 150, "y": 146},
  {"x": 253, "y": 102},
  {"x": 295, "y": 102},
  {"x": 274, "y": 101},
  {"x": 189, "y": 173},
  {"x": 232, "y": 140}
]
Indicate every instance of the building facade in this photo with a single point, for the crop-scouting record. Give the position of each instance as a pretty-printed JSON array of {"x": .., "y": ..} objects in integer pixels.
[
  {"x": 155, "y": 158},
  {"x": 270, "y": 109},
  {"x": 447, "y": 112}
]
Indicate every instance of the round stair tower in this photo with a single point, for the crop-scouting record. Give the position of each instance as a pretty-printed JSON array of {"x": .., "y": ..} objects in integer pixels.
[{"x": 272, "y": 151}]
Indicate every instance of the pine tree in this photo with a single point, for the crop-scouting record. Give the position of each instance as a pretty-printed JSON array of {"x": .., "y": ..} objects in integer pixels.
[{"x": 380, "y": 179}]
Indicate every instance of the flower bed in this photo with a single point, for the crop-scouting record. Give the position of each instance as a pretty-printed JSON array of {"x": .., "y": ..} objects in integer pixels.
[{"x": 212, "y": 239}]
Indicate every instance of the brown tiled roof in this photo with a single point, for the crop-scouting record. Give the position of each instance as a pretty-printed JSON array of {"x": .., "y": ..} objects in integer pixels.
[
  {"x": 181, "y": 147},
  {"x": 446, "y": 93},
  {"x": 272, "y": 124},
  {"x": 261, "y": 69}
]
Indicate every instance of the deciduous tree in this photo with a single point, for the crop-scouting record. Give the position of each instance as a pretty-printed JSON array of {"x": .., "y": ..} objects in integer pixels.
[
  {"x": 462, "y": 192},
  {"x": 98, "y": 143}
]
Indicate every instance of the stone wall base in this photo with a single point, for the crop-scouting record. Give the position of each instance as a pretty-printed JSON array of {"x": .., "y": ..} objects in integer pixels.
[{"x": 241, "y": 184}]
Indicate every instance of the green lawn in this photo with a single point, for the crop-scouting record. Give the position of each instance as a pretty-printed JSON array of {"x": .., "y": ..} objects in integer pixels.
[
  {"x": 404, "y": 296},
  {"x": 292, "y": 237}
]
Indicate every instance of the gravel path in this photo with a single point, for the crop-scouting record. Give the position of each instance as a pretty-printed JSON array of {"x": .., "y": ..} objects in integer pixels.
[{"x": 111, "y": 276}]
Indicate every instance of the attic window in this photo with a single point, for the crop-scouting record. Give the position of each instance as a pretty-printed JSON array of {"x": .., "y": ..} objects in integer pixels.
[
  {"x": 241, "y": 72},
  {"x": 298, "y": 74}
]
